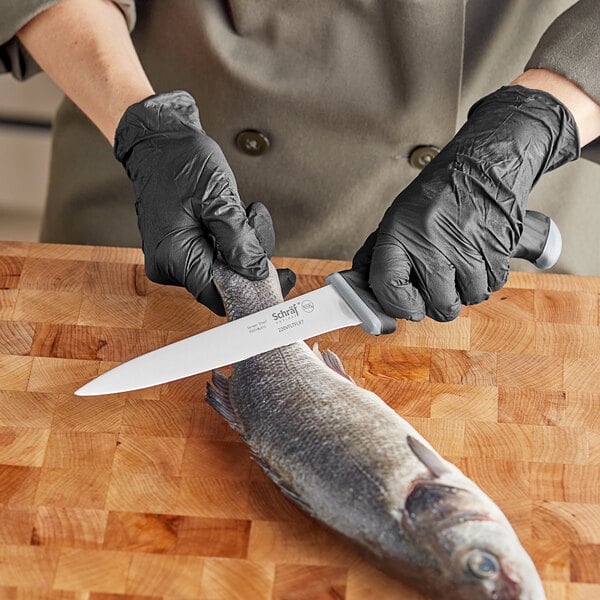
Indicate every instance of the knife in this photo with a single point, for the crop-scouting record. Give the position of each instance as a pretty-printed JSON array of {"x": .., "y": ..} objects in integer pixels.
[{"x": 346, "y": 300}]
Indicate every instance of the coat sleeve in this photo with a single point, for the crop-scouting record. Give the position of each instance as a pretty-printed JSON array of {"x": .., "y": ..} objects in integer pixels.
[
  {"x": 571, "y": 47},
  {"x": 14, "y": 58}
]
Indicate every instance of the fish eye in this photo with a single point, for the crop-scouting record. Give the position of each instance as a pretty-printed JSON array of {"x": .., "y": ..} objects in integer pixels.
[{"x": 483, "y": 564}]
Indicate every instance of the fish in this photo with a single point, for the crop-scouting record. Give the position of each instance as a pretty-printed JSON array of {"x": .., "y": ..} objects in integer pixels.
[{"x": 354, "y": 464}]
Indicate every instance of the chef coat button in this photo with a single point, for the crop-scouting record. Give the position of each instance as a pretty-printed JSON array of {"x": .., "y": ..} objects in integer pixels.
[
  {"x": 252, "y": 142},
  {"x": 421, "y": 156}
]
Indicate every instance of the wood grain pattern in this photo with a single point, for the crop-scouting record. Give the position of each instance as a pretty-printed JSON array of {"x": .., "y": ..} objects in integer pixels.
[{"x": 151, "y": 495}]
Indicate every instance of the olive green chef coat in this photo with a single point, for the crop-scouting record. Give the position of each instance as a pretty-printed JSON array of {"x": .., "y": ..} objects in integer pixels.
[{"x": 319, "y": 105}]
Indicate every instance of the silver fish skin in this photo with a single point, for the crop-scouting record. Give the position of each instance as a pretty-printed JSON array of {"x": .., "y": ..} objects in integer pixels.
[{"x": 349, "y": 460}]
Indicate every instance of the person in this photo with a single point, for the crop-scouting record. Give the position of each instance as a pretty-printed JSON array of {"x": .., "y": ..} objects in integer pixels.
[{"x": 324, "y": 111}]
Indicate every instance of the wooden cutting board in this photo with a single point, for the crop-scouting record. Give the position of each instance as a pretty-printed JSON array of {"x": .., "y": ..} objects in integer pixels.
[{"x": 150, "y": 495}]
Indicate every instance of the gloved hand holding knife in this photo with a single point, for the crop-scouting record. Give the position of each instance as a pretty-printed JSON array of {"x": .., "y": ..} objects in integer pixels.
[{"x": 447, "y": 238}]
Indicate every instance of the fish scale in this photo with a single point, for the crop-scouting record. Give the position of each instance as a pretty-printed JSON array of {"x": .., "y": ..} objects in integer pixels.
[{"x": 349, "y": 460}]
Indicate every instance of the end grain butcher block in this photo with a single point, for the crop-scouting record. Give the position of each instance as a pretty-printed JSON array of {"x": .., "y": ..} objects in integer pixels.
[{"x": 150, "y": 494}]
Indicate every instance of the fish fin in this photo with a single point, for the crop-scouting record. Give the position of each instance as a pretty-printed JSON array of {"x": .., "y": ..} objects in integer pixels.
[
  {"x": 435, "y": 463},
  {"x": 217, "y": 396},
  {"x": 282, "y": 484},
  {"x": 431, "y": 505},
  {"x": 332, "y": 360}
]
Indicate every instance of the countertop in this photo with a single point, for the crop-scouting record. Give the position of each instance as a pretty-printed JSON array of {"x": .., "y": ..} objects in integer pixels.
[{"x": 150, "y": 494}]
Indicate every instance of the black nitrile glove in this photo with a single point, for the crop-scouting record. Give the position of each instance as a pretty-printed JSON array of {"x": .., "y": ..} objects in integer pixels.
[
  {"x": 187, "y": 200},
  {"x": 448, "y": 237}
]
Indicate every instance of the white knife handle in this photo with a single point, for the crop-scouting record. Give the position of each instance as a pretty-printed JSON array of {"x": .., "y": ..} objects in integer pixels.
[{"x": 355, "y": 290}]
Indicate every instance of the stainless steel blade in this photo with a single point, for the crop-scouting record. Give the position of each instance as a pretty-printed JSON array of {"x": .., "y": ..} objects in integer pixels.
[{"x": 299, "y": 318}]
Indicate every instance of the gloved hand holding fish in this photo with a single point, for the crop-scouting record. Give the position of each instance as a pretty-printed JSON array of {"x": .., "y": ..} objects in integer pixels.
[
  {"x": 187, "y": 200},
  {"x": 350, "y": 461}
]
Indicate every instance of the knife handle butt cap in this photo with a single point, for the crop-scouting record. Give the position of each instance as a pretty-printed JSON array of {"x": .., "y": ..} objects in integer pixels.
[
  {"x": 355, "y": 291},
  {"x": 541, "y": 242},
  {"x": 551, "y": 252}
]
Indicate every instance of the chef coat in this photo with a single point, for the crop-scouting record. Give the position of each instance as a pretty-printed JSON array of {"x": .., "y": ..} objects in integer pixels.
[{"x": 326, "y": 109}]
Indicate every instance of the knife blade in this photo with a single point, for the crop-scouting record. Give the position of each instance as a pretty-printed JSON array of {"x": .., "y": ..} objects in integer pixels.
[{"x": 345, "y": 301}]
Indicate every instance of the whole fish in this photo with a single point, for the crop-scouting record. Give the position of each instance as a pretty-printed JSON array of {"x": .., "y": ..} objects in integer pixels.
[{"x": 349, "y": 460}]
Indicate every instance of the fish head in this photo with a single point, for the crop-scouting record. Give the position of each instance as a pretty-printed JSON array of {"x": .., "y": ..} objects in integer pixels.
[{"x": 472, "y": 551}]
